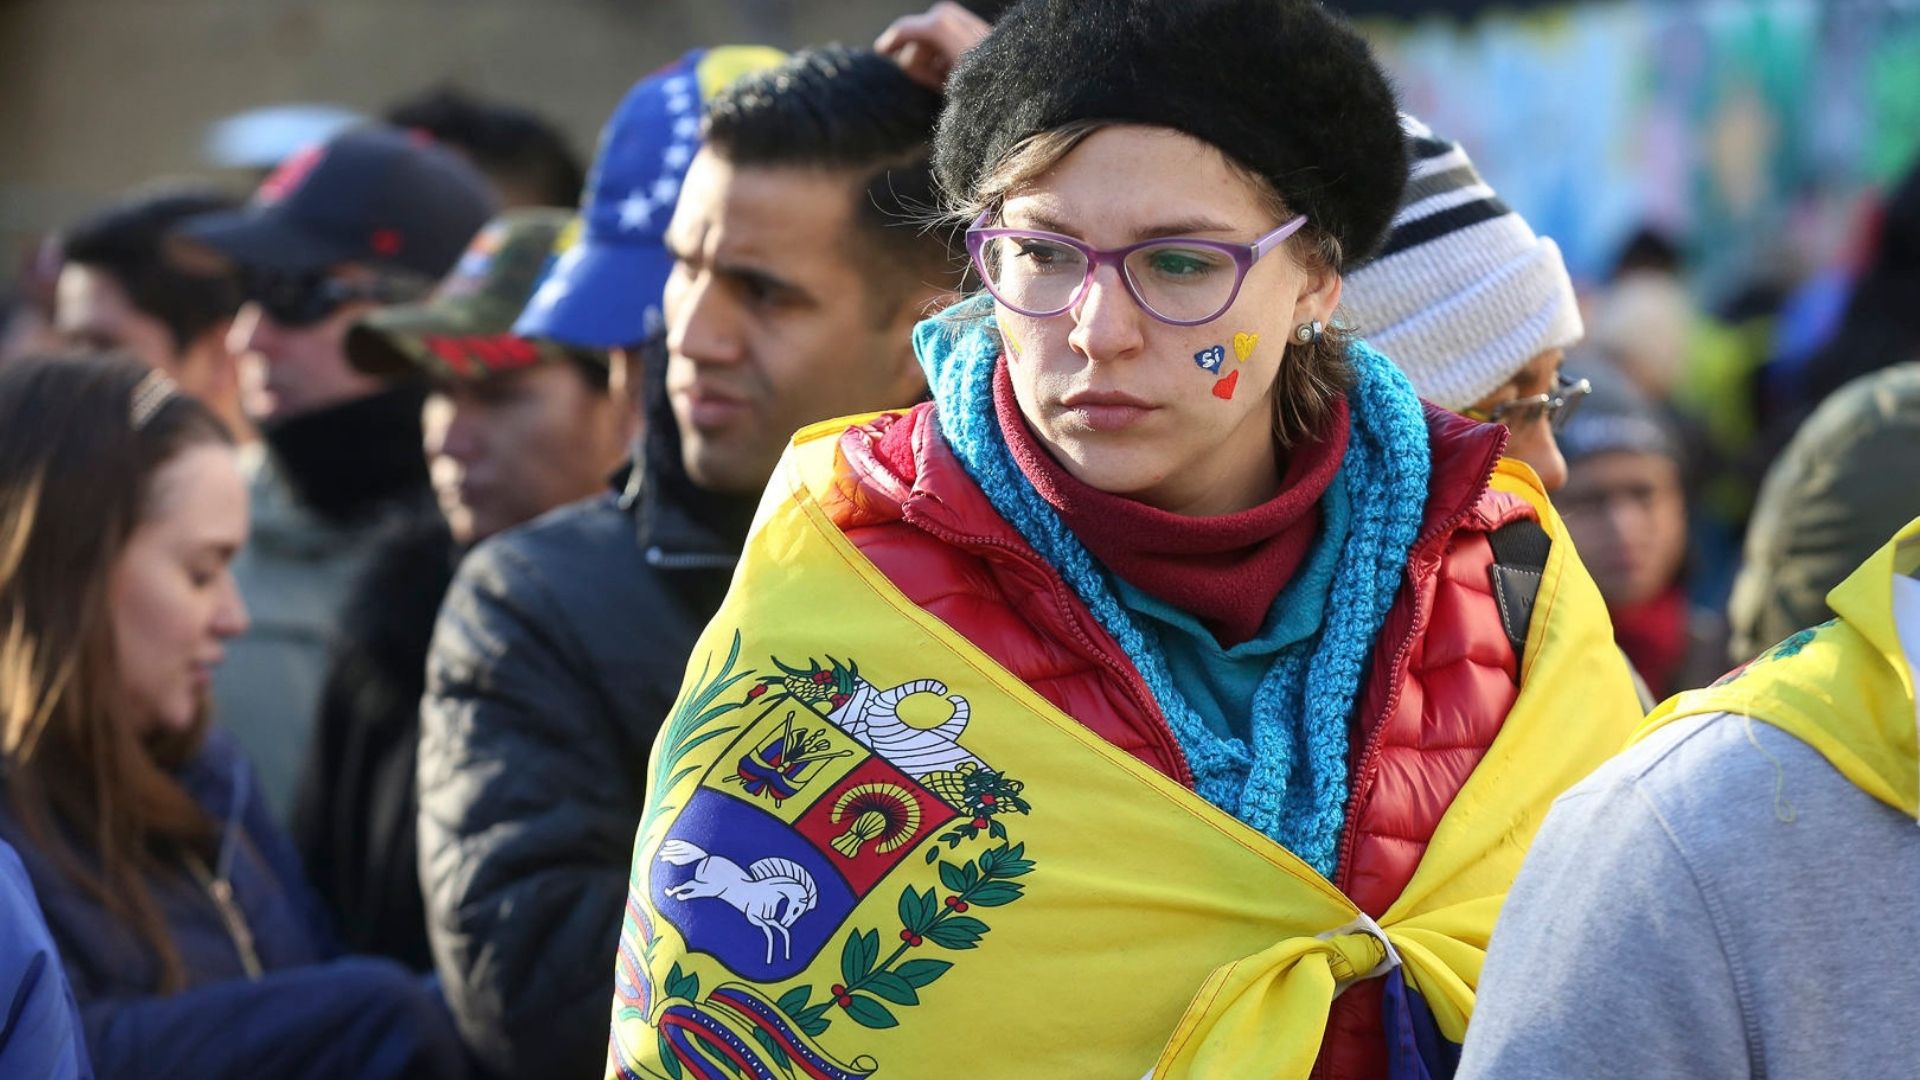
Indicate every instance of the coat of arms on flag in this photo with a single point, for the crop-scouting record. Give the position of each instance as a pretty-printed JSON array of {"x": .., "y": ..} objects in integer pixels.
[{"x": 826, "y": 785}]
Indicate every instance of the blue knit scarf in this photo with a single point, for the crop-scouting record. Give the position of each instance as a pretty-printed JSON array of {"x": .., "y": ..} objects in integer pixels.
[{"x": 1291, "y": 784}]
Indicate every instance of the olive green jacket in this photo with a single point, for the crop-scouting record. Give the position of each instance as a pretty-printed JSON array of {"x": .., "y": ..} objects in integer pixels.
[{"x": 1847, "y": 482}]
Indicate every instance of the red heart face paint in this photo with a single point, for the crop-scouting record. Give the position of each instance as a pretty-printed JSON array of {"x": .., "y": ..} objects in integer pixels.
[{"x": 1224, "y": 388}]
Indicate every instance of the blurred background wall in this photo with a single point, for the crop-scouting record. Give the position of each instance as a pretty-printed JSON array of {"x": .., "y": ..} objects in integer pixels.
[
  {"x": 100, "y": 95},
  {"x": 1752, "y": 130}
]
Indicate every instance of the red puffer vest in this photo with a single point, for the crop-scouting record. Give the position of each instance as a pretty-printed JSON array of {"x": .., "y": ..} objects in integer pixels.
[{"x": 1442, "y": 677}]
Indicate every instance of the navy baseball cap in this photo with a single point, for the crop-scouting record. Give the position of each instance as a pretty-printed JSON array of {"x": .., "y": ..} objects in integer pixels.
[
  {"x": 376, "y": 196},
  {"x": 602, "y": 288}
]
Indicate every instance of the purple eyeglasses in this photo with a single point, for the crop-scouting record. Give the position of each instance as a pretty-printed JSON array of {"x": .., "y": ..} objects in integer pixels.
[{"x": 1178, "y": 280}]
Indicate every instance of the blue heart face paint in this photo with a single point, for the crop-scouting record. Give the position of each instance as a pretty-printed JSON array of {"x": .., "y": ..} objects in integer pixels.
[{"x": 1210, "y": 359}]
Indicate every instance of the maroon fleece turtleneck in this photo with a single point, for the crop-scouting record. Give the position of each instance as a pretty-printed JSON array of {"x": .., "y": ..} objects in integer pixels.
[
  {"x": 1225, "y": 570},
  {"x": 1654, "y": 635}
]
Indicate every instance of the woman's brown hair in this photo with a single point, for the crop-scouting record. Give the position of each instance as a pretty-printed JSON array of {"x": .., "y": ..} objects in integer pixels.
[
  {"x": 81, "y": 439},
  {"x": 1312, "y": 375}
]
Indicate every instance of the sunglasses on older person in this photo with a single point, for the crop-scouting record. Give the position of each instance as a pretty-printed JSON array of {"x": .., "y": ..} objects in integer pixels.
[
  {"x": 1555, "y": 406},
  {"x": 1178, "y": 280},
  {"x": 296, "y": 300}
]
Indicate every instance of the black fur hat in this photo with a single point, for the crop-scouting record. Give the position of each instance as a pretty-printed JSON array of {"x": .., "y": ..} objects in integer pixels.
[{"x": 1281, "y": 86}]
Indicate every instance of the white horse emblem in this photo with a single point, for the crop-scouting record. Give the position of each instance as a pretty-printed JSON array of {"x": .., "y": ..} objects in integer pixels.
[{"x": 772, "y": 893}]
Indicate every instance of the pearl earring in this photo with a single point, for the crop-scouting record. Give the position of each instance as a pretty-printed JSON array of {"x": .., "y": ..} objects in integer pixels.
[{"x": 1309, "y": 332}]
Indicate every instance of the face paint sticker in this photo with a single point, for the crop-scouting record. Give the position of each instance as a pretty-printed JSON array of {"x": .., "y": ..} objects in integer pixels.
[
  {"x": 1224, "y": 388},
  {"x": 1210, "y": 359},
  {"x": 1243, "y": 346}
]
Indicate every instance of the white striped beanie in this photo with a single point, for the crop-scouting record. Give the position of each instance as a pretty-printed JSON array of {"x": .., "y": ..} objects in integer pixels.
[{"x": 1462, "y": 295}]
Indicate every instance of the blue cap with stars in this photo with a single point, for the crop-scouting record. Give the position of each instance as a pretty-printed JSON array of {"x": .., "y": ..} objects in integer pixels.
[{"x": 602, "y": 286}]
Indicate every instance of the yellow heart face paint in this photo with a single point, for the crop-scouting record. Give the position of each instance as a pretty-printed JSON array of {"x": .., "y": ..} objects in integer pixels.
[
  {"x": 1243, "y": 346},
  {"x": 1006, "y": 336}
]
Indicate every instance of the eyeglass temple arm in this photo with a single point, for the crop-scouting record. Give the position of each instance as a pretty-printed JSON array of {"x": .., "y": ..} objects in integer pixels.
[
  {"x": 1278, "y": 236},
  {"x": 1565, "y": 388}
]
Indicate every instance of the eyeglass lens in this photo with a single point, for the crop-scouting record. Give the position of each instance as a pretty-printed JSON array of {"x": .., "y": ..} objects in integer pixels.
[
  {"x": 1041, "y": 276},
  {"x": 293, "y": 300},
  {"x": 1567, "y": 396},
  {"x": 1555, "y": 407}
]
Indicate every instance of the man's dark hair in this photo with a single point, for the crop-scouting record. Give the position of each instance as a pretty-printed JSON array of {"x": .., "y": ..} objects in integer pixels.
[
  {"x": 128, "y": 240},
  {"x": 853, "y": 110},
  {"x": 1648, "y": 248},
  {"x": 509, "y": 144},
  {"x": 592, "y": 368}
]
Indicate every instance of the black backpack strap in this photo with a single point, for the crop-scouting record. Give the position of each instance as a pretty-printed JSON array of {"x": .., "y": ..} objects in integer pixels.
[{"x": 1519, "y": 559}]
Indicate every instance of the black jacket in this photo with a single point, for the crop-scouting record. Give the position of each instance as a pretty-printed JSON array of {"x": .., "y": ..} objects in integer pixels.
[
  {"x": 560, "y": 649},
  {"x": 354, "y": 819}
]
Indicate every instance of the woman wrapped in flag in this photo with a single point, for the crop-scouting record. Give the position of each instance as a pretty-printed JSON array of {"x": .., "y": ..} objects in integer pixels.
[{"x": 1173, "y": 694}]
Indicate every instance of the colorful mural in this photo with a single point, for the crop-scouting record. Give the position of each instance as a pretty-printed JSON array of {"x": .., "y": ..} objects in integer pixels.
[{"x": 1742, "y": 125}]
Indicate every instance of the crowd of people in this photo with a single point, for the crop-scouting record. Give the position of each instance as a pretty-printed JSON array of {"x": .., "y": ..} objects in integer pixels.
[{"x": 1078, "y": 540}]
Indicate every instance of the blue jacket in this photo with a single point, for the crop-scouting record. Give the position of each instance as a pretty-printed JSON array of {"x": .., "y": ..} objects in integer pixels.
[
  {"x": 39, "y": 1023},
  {"x": 291, "y": 1009}
]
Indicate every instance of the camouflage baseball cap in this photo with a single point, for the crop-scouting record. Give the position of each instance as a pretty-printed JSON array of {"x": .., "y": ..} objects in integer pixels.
[{"x": 465, "y": 329}]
